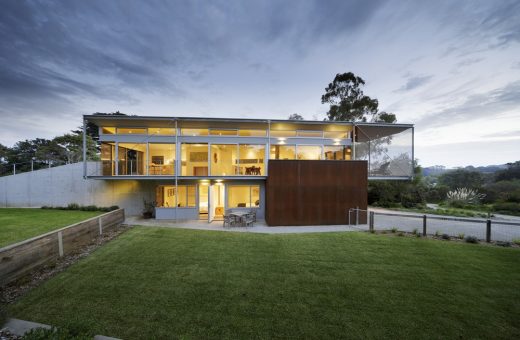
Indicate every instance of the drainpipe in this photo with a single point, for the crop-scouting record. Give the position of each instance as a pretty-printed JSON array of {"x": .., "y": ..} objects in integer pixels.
[{"x": 176, "y": 168}]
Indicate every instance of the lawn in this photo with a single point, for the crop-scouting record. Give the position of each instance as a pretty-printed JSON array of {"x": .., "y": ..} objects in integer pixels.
[
  {"x": 20, "y": 224},
  {"x": 191, "y": 284}
]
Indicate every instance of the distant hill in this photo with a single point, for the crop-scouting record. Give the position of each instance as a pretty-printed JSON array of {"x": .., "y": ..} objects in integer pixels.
[{"x": 440, "y": 169}]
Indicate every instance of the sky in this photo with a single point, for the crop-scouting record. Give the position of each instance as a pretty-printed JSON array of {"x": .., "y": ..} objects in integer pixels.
[{"x": 452, "y": 68}]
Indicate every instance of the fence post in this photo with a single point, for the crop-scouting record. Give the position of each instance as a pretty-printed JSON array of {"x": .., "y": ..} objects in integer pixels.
[
  {"x": 488, "y": 231},
  {"x": 14, "y": 169},
  {"x": 424, "y": 225},
  {"x": 100, "y": 224},
  {"x": 60, "y": 243},
  {"x": 357, "y": 215},
  {"x": 32, "y": 165},
  {"x": 371, "y": 222},
  {"x": 349, "y": 215}
]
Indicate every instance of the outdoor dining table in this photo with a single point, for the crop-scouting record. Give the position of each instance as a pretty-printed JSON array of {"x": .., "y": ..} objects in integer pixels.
[{"x": 240, "y": 215}]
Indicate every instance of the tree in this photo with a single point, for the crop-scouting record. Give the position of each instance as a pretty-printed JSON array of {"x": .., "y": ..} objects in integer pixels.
[
  {"x": 512, "y": 172},
  {"x": 72, "y": 145},
  {"x": 461, "y": 178},
  {"x": 295, "y": 116},
  {"x": 384, "y": 117},
  {"x": 347, "y": 100}
]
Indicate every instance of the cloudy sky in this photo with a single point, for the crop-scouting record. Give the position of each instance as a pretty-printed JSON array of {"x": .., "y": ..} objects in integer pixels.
[{"x": 450, "y": 67}]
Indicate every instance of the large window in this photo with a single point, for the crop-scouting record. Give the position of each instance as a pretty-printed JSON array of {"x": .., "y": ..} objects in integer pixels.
[
  {"x": 336, "y": 152},
  {"x": 224, "y": 160},
  {"x": 282, "y": 152},
  {"x": 108, "y": 154},
  {"x": 310, "y": 133},
  {"x": 167, "y": 197},
  {"x": 251, "y": 160},
  {"x": 243, "y": 196},
  {"x": 283, "y": 133},
  {"x": 194, "y": 132},
  {"x": 132, "y": 157},
  {"x": 131, "y": 131},
  {"x": 194, "y": 159},
  {"x": 161, "y": 161},
  {"x": 308, "y": 152},
  {"x": 336, "y": 134},
  {"x": 223, "y": 132},
  {"x": 161, "y": 131},
  {"x": 252, "y": 132}
]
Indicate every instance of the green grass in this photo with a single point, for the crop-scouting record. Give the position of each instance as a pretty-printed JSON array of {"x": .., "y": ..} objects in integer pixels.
[
  {"x": 173, "y": 283},
  {"x": 444, "y": 211},
  {"x": 20, "y": 224}
]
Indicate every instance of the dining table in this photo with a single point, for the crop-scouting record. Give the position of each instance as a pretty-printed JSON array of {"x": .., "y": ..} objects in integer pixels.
[{"x": 240, "y": 215}]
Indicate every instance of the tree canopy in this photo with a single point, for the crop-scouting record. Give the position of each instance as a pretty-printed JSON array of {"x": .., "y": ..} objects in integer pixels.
[
  {"x": 295, "y": 116},
  {"x": 347, "y": 100},
  {"x": 461, "y": 178}
]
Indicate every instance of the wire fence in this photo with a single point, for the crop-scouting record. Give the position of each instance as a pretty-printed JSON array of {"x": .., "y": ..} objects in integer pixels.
[
  {"x": 21, "y": 167},
  {"x": 483, "y": 229}
]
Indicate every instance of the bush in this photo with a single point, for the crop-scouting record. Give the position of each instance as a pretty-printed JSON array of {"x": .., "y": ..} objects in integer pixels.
[
  {"x": 503, "y": 243},
  {"x": 437, "y": 233},
  {"x": 516, "y": 241},
  {"x": 471, "y": 239},
  {"x": 507, "y": 208},
  {"x": 415, "y": 231},
  {"x": 445, "y": 236},
  {"x": 463, "y": 196},
  {"x": 400, "y": 233},
  {"x": 73, "y": 206},
  {"x": 394, "y": 230},
  {"x": 461, "y": 236}
]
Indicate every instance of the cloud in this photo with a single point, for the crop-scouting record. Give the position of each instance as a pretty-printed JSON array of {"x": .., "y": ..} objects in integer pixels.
[
  {"x": 475, "y": 106},
  {"x": 414, "y": 82}
]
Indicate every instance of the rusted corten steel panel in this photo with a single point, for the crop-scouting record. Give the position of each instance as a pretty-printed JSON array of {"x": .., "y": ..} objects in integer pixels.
[{"x": 315, "y": 192}]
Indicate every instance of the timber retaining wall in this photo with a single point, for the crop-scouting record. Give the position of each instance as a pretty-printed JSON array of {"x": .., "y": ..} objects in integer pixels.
[{"x": 17, "y": 260}]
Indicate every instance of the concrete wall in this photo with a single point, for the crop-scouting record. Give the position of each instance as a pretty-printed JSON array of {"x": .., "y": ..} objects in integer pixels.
[{"x": 62, "y": 185}]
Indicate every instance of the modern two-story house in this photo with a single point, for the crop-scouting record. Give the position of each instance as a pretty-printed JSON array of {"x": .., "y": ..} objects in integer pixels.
[{"x": 290, "y": 172}]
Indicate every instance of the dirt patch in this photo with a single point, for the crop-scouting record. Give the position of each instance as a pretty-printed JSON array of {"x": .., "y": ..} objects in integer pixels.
[{"x": 16, "y": 289}]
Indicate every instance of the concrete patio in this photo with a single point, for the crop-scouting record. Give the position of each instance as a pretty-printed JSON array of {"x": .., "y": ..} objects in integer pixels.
[{"x": 259, "y": 227}]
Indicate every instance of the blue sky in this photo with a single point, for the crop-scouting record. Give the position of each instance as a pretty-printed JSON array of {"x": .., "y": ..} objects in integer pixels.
[{"x": 450, "y": 67}]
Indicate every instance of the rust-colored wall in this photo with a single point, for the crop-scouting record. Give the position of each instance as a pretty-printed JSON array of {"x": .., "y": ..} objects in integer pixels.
[{"x": 314, "y": 192}]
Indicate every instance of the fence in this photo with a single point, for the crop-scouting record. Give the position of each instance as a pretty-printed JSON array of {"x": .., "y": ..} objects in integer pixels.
[
  {"x": 18, "y": 259},
  {"x": 21, "y": 167},
  {"x": 488, "y": 230}
]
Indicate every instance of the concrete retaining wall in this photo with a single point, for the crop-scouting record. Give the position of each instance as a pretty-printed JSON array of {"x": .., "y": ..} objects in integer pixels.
[
  {"x": 19, "y": 259},
  {"x": 65, "y": 184}
]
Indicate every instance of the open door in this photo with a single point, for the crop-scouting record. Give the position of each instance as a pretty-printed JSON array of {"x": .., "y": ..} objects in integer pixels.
[
  {"x": 211, "y": 210},
  {"x": 216, "y": 202}
]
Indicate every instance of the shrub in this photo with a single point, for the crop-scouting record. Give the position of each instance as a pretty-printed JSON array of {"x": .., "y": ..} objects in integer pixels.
[
  {"x": 503, "y": 243},
  {"x": 400, "y": 233},
  {"x": 507, "y": 208},
  {"x": 516, "y": 241},
  {"x": 437, "y": 233},
  {"x": 394, "y": 230},
  {"x": 415, "y": 231},
  {"x": 460, "y": 197},
  {"x": 114, "y": 207},
  {"x": 471, "y": 239},
  {"x": 73, "y": 206},
  {"x": 461, "y": 236},
  {"x": 445, "y": 236}
]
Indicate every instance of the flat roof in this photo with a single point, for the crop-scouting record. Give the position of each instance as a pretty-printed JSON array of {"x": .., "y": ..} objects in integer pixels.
[{"x": 147, "y": 121}]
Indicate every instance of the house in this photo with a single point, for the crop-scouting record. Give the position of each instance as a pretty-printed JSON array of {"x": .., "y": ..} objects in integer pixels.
[{"x": 290, "y": 172}]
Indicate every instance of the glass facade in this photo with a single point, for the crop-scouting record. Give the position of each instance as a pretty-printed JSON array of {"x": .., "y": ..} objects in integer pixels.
[
  {"x": 308, "y": 152},
  {"x": 224, "y": 159},
  {"x": 194, "y": 160},
  {"x": 161, "y": 160},
  {"x": 286, "y": 152},
  {"x": 167, "y": 197},
  {"x": 243, "y": 196},
  {"x": 251, "y": 160},
  {"x": 131, "y": 159}
]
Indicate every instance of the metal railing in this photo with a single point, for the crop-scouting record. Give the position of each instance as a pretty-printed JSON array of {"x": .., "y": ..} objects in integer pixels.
[
  {"x": 458, "y": 227},
  {"x": 9, "y": 169}
]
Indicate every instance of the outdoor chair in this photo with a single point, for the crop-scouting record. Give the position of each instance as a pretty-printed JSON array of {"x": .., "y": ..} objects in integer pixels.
[
  {"x": 229, "y": 221},
  {"x": 253, "y": 215},
  {"x": 249, "y": 220}
]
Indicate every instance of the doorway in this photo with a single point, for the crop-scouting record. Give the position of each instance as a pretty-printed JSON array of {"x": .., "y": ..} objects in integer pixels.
[
  {"x": 216, "y": 202},
  {"x": 203, "y": 201}
]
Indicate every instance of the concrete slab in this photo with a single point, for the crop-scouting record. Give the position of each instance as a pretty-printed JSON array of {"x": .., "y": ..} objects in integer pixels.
[
  {"x": 20, "y": 327},
  {"x": 259, "y": 226}
]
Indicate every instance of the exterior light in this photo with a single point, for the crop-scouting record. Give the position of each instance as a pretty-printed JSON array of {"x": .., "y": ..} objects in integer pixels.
[{"x": 337, "y": 140}]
